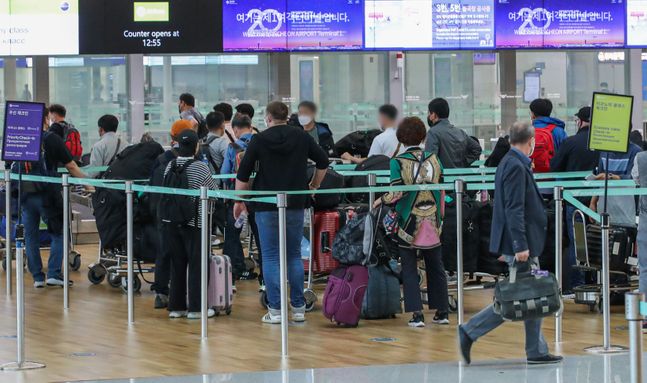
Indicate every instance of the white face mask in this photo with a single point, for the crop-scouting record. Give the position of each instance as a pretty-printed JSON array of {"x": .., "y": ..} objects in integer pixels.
[{"x": 304, "y": 120}]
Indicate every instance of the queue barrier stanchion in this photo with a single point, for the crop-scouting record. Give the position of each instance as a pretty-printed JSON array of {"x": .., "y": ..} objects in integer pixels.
[
  {"x": 372, "y": 182},
  {"x": 130, "y": 288},
  {"x": 7, "y": 247},
  {"x": 459, "y": 188},
  {"x": 66, "y": 241},
  {"x": 204, "y": 259},
  {"x": 635, "y": 317},
  {"x": 559, "y": 219},
  {"x": 282, "y": 205}
]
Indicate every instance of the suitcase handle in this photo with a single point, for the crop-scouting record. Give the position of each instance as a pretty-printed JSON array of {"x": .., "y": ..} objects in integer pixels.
[{"x": 325, "y": 242}]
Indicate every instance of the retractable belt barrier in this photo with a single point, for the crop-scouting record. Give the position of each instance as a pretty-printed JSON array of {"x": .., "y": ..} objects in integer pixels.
[{"x": 461, "y": 181}]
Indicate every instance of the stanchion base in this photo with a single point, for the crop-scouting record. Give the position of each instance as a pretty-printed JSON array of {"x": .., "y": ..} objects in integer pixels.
[
  {"x": 610, "y": 350},
  {"x": 14, "y": 366}
]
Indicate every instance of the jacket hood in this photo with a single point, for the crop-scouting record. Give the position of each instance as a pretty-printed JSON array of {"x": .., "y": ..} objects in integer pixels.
[
  {"x": 282, "y": 139},
  {"x": 542, "y": 122}
]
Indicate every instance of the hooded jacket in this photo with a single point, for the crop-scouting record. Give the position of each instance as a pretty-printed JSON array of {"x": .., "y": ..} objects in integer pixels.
[
  {"x": 279, "y": 155},
  {"x": 452, "y": 145},
  {"x": 559, "y": 134}
]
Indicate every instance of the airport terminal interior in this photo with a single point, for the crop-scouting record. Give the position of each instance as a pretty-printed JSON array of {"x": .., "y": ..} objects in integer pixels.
[{"x": 490, "y": 60}]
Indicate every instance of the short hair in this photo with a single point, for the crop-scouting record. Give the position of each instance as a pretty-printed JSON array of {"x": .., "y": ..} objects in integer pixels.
[
  {"x": 278, "y": 110},
  {"x": 440, "y": 106},
  {"x": 225, "y": 109},
  {"x": 246, "y": 109},
  {"x": 411, "y": 131},
  {"x": 521, "y": 132},
  {"x": 57, "y": 109},
  {"x": 541, "y": 107},
  {"x": 215, "y": 120},
  {"x": 389, "y": 111},
  {"x": 188, "y": 99},
  {"x": 308, "y": 105},
  {"x": 108, "y": 123},
  {"x": 241, "y": 121}
]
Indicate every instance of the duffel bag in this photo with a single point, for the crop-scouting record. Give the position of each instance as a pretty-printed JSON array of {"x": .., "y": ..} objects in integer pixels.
[{"x": 527, "y": 295}]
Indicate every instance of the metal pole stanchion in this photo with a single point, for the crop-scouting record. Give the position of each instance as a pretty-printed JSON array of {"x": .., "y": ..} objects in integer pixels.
[
  {"x": 7, "y": 248},
  {"x": 635, "y": 319},
  {"x": 372, "y": 182},
  {"x": 559, "y": 206},
  {"x": 66, "y": 242},
  {"x": 282, "y": 204},
  {"x": 204, "y": 254},
  {"x": 459, "y": 188},
  {"x": 129, "y": 252},
  {"x": 606, "y": 347}
]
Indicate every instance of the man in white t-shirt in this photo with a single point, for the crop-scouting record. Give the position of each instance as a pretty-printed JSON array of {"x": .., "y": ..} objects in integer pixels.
[{"x": 386, "y": 143}]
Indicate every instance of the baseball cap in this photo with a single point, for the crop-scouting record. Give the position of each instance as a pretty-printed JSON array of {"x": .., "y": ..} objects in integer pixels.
[
  {"x": 179, "y": 126},
  {"x": 584, "y": 114},
  {"x": 187, "y": 141}
]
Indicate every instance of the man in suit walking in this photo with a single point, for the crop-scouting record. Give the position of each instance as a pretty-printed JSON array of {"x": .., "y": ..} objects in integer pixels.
[{"x": 518, "y": 233}]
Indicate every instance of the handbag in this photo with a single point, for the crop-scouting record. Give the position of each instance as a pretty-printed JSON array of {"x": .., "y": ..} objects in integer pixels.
[
  {"x": 527, "y": 295},
  {"x": 392, "y": 217}
]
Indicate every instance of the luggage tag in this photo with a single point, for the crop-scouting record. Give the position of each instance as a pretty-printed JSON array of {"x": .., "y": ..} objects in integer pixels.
[{"x": 539, "y": 273}]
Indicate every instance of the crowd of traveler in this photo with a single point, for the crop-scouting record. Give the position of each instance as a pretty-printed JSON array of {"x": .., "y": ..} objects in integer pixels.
[{"x": 275, "y": 157}]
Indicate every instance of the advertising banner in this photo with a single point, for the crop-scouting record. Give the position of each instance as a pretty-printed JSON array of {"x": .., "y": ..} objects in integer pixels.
[{"x": 23, "y": 127}]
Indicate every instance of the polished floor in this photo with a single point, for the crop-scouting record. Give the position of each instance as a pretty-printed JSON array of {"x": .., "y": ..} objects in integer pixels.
[
  {"x": 583, "y": 369},
  {"x": 92, "y": 341}
]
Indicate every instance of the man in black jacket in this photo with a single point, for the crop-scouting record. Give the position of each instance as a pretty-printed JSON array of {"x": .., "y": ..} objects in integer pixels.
[{"x": 518, "y": 233}]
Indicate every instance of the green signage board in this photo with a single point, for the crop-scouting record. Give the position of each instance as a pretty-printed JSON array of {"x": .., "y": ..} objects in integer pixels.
[
  {"x": 610, "y": 122},
  {"x": 151, "y": 11}
]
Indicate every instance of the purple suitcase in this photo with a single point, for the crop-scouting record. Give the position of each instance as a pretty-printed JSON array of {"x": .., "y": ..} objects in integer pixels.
[
  {"x": 342, "y": 302},
  {"x": 221, "y": 293}
]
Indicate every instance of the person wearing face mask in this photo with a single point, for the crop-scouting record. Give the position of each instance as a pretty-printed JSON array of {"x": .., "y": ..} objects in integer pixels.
[
  {"x": 518, "y": 234},
  {"x": 109, "y": 145},
  {"x": 574, "y": 155},
  {"x": 452, "y": 145},
  {"x": 319, "y": 131}
]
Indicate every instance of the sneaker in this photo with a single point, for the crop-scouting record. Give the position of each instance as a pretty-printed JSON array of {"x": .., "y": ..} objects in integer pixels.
[
  {"x": 418, "y": 320},
  {"x": 177, "y": 314},
  {"x": 270, "y": 318},
  {"x": 298, "y": 314},
  {"x": 441, "y": 318},
  {"x": 39, "y": 284},
  {"x": 161, "y": 301},
  {"x": 248, "y": 275},
  {"x": 546, "y": 359},
  {"x": 58, "y": 281},
  {"x": 198, "y": 314}
]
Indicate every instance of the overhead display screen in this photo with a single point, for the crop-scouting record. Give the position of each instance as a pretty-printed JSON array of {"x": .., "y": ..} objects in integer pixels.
[
  {"x": 262, "y": 25},
  {"x": 39, "y": 27},
  {"x": 429, "y": 24},
  {"x": 150, "y": 26},
  {"x": 560, "y": 24},
  {"x": 637, "y": 23}
]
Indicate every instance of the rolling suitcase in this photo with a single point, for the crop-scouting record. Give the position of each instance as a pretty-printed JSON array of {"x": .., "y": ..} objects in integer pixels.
[
  {"x": 220, "y": 289},
  {"x": 342, "y": 302},
  {"x": 382, "y": 298},
  {"x": 621, "y": 241},
  {"x": 326, "y": 225}
]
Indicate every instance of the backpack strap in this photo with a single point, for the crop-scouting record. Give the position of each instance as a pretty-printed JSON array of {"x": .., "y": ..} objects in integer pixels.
[
  {"x": 397, "y": 150},
  {"x": 116, "y": 152}
]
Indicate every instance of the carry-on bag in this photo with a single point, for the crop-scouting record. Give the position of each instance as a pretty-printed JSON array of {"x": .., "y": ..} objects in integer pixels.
[
  {"x": 342, "y": 302},
  {"x": 527, "y": 295},
  {"x": 332, "y": 180},
  {"x": 220, "y": 290},
  {"x": 382, "y": 298},
  {"x": 621, "y": 241},
  {"x": 326, "y": 225}
]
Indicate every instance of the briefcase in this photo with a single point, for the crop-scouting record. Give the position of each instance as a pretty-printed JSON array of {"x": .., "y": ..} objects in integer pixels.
[{"x": 527, "y": 295}]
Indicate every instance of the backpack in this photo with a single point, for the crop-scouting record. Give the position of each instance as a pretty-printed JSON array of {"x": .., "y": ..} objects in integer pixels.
[
  {"x": 34, "y": 168},
  {"x": 72, "y": 139},
  {"x": 544, "y": 149},
  {"x": 177, "y": 209},
  {"x": 240, "y": 153},
  {"x": 205, "y": 154},
  {"x": 203, "y": 130}
]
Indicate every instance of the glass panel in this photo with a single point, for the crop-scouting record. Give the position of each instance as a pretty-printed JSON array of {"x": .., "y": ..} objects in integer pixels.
[{"x": 90, "y": 87}]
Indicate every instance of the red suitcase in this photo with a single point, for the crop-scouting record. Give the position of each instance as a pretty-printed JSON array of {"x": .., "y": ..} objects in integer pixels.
[{"x": 326, "y": 226}]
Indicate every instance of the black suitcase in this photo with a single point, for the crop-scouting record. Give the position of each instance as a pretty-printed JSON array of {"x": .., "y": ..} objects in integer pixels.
[
  {"x": 332, "y": 180},
  {"x": 487, "y": 262},
  {"x": 621, "y": 243},
  {"x": 382, "y": 299},
  {"x": 378, "y": 162},
  {"x": 471, "y": 236}
]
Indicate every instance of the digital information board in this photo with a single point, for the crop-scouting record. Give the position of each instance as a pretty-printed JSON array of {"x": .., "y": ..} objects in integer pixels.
[
  {"x": 23, "y": 129},
  {"x": 560, "y": 24},
  {"x": 637, "y": 23},
  {"x": 150, "y": 26},
  {"x": 610, "y": 122}
]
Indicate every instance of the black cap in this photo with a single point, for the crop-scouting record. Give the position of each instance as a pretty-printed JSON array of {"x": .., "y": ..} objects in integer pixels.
[
  {"x": 584, "y": 114},
  {"x": 188, "y": 142}
]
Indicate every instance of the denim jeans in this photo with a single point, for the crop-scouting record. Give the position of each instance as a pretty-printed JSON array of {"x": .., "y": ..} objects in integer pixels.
[
  {"x": 232, "y": 247},
  {"x": 487, "y": 320},
  {"x": 576, "y": 277},
  {"x": 268, "y": 230},
  {"x": 32, "y": 212}
]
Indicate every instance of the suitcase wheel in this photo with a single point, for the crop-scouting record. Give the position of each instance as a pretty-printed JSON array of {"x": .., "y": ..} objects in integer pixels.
[
  {"x": 75, "y": 260},
  {"x": 96, "y": 274},
  {"x": 228, "y": 311}
]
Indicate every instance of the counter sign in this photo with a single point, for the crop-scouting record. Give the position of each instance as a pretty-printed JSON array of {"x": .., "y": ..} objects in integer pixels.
[
  {"x": 610, "y": 122},
  {"x": 22, "y": 131}
]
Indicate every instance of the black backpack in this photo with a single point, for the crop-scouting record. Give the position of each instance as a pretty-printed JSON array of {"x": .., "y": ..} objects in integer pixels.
[
  {"x": 205, "y": 154},
  {"x": 203, "y": 130},
  {"x": 34, "y": 168},
  {"x": 178, "y": 209}
]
